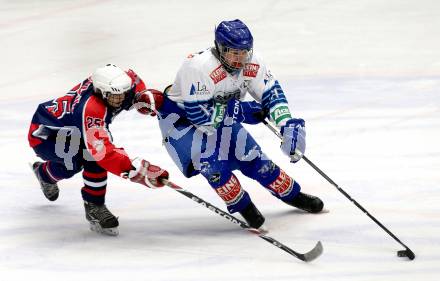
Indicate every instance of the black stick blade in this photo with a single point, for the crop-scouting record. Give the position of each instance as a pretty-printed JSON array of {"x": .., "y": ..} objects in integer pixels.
[
  {"x": 314, "y": 253},
  {"x": 406, "y": 253}
]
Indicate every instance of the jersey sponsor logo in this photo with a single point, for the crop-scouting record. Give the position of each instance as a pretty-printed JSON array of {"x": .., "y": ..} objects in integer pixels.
[
  {"x": 231, "y": 191},
  {"x": 236, "y": 109},
  {"x": 280, "y": 113},
  {"x": 282, "y": 185},
  {"x": 251, "y": 69},
  {"x": 218, "y": 114},
  {"x": 218, "y": 74},
  {"x": 199, "y": 90}
]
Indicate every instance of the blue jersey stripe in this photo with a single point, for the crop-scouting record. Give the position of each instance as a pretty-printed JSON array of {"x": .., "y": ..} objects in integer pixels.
[
  {"x": 200, "y": 120},
  {"x": 273, "y": 96},
  {"x": 198, "y": 112}
]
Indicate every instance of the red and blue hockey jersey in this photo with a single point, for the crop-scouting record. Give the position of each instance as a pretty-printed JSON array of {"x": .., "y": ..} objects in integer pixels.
[{"x": 82, "y": 111}]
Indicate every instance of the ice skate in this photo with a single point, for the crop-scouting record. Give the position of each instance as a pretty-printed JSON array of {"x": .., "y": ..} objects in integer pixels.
[
  {"x": 254, "y": 218},
  {"x": 50, "y": 190},
  {"x": 101, "y": 219},
  {"x": 307, "y": 202}
]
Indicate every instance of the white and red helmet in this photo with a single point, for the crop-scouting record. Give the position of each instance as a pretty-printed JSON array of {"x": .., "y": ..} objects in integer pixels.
[{"x": 111, "y": 80}]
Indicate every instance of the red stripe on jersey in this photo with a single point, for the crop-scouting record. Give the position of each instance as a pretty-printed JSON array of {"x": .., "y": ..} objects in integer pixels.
[
  {"x": 49, "y": 173},
  {"x": 33, "y": 141},
  {"x": 98, "y": 141},
  {"x": 94, "y": 192},
  {"x": 95, "y": 175},
  {"x": 135, "y": 79}
]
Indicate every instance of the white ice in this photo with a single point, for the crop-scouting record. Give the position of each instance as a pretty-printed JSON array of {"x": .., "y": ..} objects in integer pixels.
[{"x": 365, "y": 75}]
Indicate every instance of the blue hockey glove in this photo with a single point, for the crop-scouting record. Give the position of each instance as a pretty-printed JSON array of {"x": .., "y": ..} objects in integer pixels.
[
  {"x": 245, "y": 111},
  {"x": 293, "y": 142}
]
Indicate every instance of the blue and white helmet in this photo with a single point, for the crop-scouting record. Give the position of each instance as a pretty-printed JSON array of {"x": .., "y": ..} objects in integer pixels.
[{"x": 234, "y": 43}]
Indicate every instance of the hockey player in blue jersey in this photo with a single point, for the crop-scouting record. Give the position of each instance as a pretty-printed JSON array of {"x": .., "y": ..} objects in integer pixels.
[
  {"x": 71, "y": 133},
  {"x": 201, "y": 123}
]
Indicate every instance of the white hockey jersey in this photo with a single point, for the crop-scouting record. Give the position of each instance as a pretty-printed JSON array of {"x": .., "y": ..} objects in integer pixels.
[{"x": 203, "y": 87}]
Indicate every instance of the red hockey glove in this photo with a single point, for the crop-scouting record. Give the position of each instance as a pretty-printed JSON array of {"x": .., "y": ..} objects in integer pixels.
[
  {"x": 148, "y": 102},
  {"x": 146, "y": 174}
]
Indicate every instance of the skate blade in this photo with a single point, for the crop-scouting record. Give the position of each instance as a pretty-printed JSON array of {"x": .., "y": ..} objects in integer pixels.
[
  {"x": 262, "y": 230},
  {"x": 96, "y": 227}
]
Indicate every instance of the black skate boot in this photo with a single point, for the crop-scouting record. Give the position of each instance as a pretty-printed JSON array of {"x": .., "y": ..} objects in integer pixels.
[
  {"x": 307, "y": 202},
  {"x": 253, "y": 217},
  {"x": 101, "y": 220},
  {"x": 50, "y": 190}
]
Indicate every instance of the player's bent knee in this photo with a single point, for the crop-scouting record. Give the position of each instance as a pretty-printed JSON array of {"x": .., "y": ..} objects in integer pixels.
[{"x": 263, "y": 171}]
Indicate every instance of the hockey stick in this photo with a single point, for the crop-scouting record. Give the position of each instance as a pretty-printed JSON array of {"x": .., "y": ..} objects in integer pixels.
[
  {"x": 402, "y": 253},
  {"x": 309, "y": 256}
]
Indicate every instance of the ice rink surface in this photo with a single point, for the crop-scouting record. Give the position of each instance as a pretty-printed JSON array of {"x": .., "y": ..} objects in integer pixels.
[{"x": 365, "y": 75}]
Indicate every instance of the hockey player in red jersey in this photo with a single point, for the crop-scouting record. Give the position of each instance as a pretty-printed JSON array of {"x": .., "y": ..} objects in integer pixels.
[{"x": 71, "y": 133}]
